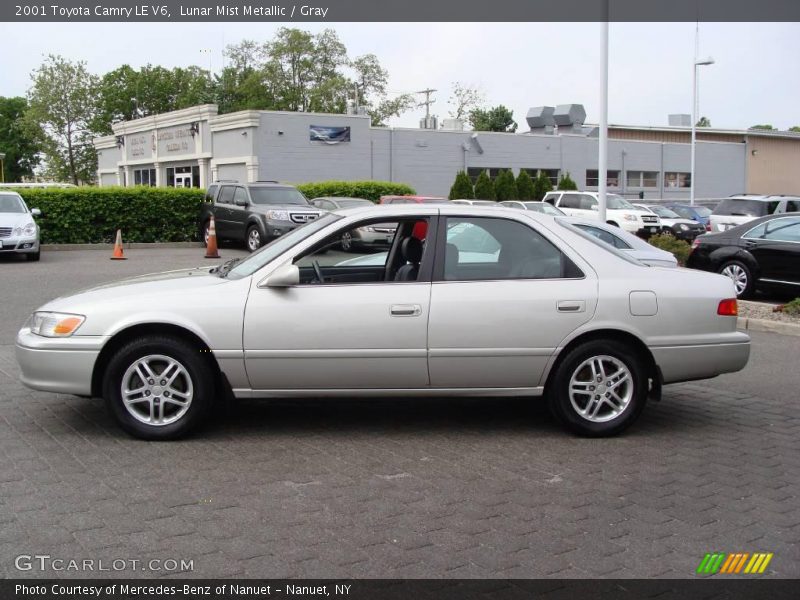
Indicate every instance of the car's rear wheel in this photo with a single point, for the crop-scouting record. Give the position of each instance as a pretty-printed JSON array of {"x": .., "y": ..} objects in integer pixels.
[
  {"x": 159, "y": 388},
  {"x": 254, "y": 240},
  {"x": 740, "y": 275},
  {"x": 346, "y": 241},
  {"x": 599, "y": 388}
]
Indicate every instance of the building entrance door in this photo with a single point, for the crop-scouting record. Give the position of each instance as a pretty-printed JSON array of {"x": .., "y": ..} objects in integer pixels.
[{"x": 183, "y": 180}]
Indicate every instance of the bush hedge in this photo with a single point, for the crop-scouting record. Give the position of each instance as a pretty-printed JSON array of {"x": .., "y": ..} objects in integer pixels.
[
  {"x": 88, "y": 215},
  {"x": 370, "y": 190},
  {"x": 679, "y": 249}
]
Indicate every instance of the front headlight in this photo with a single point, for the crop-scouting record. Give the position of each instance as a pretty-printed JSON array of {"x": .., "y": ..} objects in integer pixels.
[
  {"x": 52, "y": 324},
  {"x": 629, "y": 217},
  {"x": 27, "y": 230},
  {"x": 278, "y": 215},
  {"x": 683, "y": 227}
]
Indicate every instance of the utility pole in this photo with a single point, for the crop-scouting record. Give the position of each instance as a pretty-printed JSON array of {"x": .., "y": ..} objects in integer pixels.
[
  {"x": 427, "y": 103},
  {"x": 602, "y": 154}
]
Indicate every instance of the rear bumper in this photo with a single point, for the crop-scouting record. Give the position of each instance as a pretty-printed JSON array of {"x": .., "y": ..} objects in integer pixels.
[
  {"x": 62, "y": 365},
  {"x": 687, "y": 363}
]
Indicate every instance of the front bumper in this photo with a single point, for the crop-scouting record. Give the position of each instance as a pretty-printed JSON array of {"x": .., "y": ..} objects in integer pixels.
[
  {"x": 19, "y": 245},
  {"x": 62, "y": 365},
  {"x": 687, "y": 363}
]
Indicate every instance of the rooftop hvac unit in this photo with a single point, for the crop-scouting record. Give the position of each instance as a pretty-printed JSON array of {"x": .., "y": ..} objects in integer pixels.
[{"x": 431, "y": 122}]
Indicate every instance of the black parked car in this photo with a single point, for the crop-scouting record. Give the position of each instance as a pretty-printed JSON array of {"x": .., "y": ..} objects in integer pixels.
[{"x": 760, "y": 254}]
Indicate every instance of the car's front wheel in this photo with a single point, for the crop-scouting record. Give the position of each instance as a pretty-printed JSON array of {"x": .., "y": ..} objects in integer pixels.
[
  {"x": 599, "y": 388},
  {"x": 34, "y": 256},
  {"x": 254, "y": 239},
  {"x": 159, "y": 388},
  {"x": 740, "y": 275}
]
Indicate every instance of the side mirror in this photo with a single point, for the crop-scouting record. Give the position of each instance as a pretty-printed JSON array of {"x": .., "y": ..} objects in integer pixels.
[
  {"x": 240, "y": 202},
  {"x": 282, "y": 277},
  {"x": 36, "y": 212}
]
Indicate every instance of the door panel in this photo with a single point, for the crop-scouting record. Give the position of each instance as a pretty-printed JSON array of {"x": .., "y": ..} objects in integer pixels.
[
  {"x": 501, "y": 333},
  {"x": 337, "y": 336}
]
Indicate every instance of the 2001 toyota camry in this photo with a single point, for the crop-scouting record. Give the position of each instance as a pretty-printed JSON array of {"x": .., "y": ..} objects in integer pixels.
[{"x": 468, "y": 301}]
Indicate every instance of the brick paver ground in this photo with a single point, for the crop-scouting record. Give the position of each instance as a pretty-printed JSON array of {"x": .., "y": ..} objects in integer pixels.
[{"x": 403, "y": 488}]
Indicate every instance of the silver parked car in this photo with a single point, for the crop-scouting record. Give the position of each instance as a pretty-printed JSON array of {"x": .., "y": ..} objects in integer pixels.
[
  {"x": 468, "y": 301},
  {"x": 620, "y": 239},
  {"x": 19, "y": 233}
]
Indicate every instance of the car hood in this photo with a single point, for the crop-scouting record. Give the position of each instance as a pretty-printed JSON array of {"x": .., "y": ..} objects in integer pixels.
[
  {"x": 15, "y": 219},
  {"x": 140, "y": 288}
]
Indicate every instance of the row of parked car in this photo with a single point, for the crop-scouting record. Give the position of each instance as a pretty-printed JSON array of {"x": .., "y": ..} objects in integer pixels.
[{"x": 753, "y": 239}]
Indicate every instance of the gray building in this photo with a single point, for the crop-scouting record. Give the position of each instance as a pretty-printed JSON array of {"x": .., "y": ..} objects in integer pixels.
[{"x": 190, "y": 147}]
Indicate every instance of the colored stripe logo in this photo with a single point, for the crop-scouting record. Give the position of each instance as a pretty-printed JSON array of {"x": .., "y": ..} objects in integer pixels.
[{"x": 734, "y": 563}]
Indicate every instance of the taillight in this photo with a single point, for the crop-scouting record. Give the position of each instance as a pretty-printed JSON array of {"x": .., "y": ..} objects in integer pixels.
[
  {"x": 708, "y": 226},
  {"x": 695, "y": 243},
  {"x": 728, "y": 308}
]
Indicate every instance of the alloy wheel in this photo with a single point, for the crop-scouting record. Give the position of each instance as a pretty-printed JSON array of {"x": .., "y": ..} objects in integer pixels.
[
  {"x": 738, "y": 275},
  {"x": 601, "y": 388},
  {"x": 157, "y": 390},
  {"x": 253, "y": 240},
  {"x": 347, "y": 241}
]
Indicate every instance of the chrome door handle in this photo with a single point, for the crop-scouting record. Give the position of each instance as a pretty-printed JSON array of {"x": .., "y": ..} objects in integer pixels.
[
  {"x": 572, "y": 306},
  {"x": 406, "y": 310}
]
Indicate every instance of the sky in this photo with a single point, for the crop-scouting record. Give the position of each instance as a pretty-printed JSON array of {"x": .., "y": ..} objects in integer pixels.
[{"x": 755, "y": 78}]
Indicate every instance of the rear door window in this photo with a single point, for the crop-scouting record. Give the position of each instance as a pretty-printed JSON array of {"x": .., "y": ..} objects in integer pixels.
[
  {"x": 226, "y": 195},
  {"x": 742, "y": 207},
  {"x": 570, "y": 201}
]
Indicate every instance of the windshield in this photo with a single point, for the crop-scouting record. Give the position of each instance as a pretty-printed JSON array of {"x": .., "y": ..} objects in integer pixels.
[
  {"x": 663, "y": 211},
  {"x": 275, "y": 248},
  {"x": 740, "y": 207},
  {"x": 618, "y": 202},
  {"x": 543, "y": 207},
  {"x": 266, "y": 195},
  {"x": 353, "y": 202},
  {"x": 11, "y": 204},
  {"x": 599, "y": 243}
]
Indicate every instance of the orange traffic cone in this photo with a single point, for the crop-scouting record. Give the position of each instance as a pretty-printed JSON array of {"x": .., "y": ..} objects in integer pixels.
[
  {"x": 211, "y": 244},
  {"x": 118, "y": 254}
]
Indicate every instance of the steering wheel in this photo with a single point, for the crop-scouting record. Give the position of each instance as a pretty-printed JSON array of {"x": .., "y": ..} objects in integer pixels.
[{"x": 318, "y": 272}]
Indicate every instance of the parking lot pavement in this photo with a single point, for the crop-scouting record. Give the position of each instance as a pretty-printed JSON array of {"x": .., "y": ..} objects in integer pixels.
[{"x": 401, "y": 488}]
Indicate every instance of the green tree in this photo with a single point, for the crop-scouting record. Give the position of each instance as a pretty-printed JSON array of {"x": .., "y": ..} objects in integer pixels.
[
  {"x": 462, "y": 187},
  {"x": 703, "y": 122},
  {"x": 484, "y": 187},
  {"x": 17, "y": 142},
  {"x": 62, "y": 106},
  {"x": 765, "y": 127},
  {"x": 565, "y": 182},
  {"x": 498, "y": 118},
  {"x": 525, "y": 187},
  {"x": 506, "y": 186},
  {"x": 795, "y": 128},
  {"x": 542, "y": 185},
  {"x": 126, "y": 93}
]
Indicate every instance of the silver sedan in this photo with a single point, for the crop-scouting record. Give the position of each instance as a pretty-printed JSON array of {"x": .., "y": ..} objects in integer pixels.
[{"x": 468, "y": 301}]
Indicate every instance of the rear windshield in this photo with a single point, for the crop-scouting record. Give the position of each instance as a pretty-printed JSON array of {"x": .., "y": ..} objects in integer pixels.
[
  {"x": 264, "y": 195},
  {"x": 741, "y": 207}
]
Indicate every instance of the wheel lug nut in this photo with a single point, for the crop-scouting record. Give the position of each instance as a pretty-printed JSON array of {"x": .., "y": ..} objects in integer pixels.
[
  {"x": 599, "y": 379},
  {"x": 166, "y": 394},
  {"x": 163, "y": 382},
  {"x": 597, "y": 397},
  {"x": 150, "y": 381},
  {"x": 591, "y": 388},
  {"x": 147, "y": 392},
  {"x": 608, "y": 394}
]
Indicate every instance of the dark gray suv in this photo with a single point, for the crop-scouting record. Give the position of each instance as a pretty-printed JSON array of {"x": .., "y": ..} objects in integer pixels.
[{"x": 254, "y": 213}]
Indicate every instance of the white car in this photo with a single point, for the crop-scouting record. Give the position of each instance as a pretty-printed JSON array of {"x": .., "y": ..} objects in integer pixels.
[
  {"x": 548, "y": 311},
  {"x": 733, "y": 211},
  {"x": 626, "y": 242},
  {"x": 619, "y": 211},
  {"x": 19, "y": 233},
  {"x": 535, "y": 205}
]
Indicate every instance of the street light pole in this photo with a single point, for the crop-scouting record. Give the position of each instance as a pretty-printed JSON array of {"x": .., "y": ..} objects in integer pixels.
[
  {"x": 697, "y": 63},
  {"x": 602, "y": 154}
]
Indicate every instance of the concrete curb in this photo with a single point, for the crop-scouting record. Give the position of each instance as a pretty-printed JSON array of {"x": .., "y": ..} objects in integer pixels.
[
  {"x": 128, "y": 246},
  {"x": 768, "y": 326}
]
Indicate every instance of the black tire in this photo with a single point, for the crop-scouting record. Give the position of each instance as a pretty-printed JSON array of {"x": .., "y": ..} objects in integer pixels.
[
  {"x": 196, "y": 368},
  {"x": 253, "y": 239},
  {"x": 34, "y": 256},
  {"x": 611, "y": 417},
  {"x": 742, "y": 277}
]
